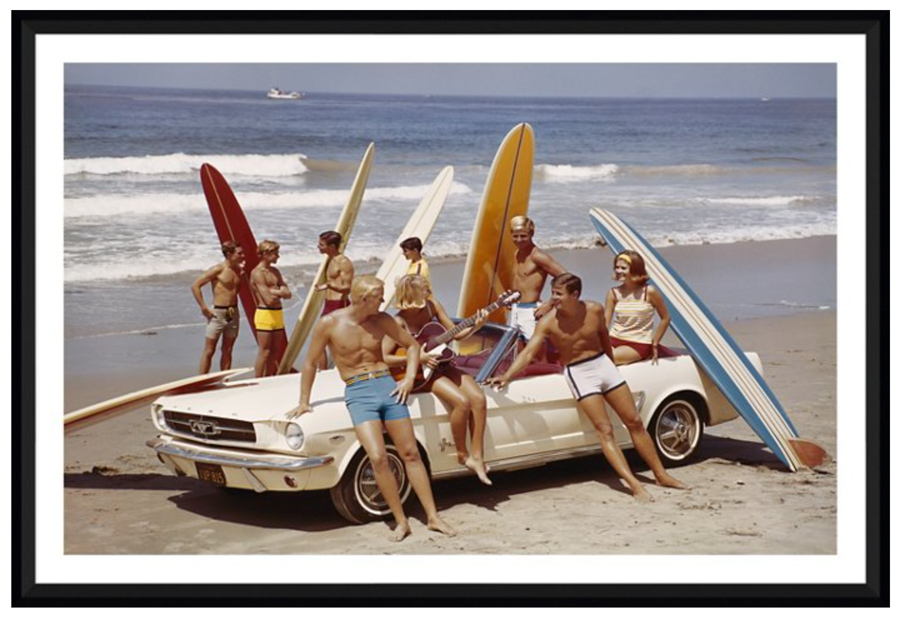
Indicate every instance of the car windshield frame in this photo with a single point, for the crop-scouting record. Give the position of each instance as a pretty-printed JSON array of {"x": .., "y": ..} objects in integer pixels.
[{"x": 508, "y": 337}]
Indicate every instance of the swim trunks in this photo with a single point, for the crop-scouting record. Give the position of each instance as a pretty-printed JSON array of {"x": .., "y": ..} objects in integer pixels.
[
  {"x": 594, "y": 376},
  {"x": 521, "y": 316},
  {"x": 224, "y": 320},
  {"x": 644, "y": 350},
  {"x": 368, "y": 398},
  {"x": 268, "y": 319},
  {"x": 334, "y": 305}
]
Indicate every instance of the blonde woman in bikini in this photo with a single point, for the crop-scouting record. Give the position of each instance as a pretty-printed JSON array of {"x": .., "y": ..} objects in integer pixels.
[
  {"x": 630, "y": 308},
  {"x": 465, "y": 398}
]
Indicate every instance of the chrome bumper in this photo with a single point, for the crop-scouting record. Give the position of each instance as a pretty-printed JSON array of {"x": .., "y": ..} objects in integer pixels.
[{"x": 178, "y": 450}]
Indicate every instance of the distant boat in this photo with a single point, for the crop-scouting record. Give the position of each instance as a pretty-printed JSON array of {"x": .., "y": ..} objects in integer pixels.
[
  {"x": 763, "y": 99},
  {"x": 277, "y": 93}
]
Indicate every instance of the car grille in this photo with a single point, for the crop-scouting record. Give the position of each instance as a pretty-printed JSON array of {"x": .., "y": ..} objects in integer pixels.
[{"x": 210, "y": 428}]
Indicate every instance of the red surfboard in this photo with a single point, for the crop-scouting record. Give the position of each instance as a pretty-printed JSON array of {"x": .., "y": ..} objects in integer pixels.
[{"x": 232, "y": 225}]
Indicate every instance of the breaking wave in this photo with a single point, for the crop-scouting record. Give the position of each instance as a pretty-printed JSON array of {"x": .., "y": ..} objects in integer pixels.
[
  {"x": 277, "y": 165},
  {"x": 106, "y": 206}
]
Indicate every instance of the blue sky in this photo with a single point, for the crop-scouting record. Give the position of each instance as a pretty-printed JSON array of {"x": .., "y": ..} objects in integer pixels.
[{"x": 566, "y": 80}]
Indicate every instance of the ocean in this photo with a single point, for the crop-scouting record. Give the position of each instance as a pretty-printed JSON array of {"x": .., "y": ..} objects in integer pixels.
[{"x": 682, "y": 172}]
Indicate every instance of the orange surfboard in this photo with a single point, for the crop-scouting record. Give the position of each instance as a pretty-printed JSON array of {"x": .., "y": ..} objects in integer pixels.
[{"x": 491, "y": 260}]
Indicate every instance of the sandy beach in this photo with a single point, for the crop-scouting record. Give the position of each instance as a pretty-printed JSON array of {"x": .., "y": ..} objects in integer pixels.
[{"x": 120, "y": 500}]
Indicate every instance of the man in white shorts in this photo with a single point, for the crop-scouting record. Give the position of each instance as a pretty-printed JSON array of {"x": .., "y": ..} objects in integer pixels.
[
  {"x": 532, "y": 268},
  {"x": 577, "y": 329}
]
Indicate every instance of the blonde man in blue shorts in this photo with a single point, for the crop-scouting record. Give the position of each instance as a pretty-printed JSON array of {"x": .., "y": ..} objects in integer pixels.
[{"x": 354, "y": 336}]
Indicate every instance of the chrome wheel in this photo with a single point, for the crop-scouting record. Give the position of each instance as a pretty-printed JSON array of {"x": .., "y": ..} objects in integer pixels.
[
  {"x": 366, "y": 490},
  {"x": 357, "y": 497},
  {"x": 677, "y": 429}
]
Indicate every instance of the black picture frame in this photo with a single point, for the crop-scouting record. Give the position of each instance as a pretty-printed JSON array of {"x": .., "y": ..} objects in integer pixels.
[{"x": 27, "y": 592}]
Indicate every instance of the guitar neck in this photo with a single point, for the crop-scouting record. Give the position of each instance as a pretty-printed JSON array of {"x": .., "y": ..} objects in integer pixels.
[{"x": 464, "y": 324}]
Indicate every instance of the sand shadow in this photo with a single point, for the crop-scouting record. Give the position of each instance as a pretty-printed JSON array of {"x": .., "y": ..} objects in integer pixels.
[
  {"x": 108, "y": 479},
  {"x": 736, "y": 451},
  {"x": 510, "y": 484},
  {"x": 301, "y": 511},
  {"x": 307, "y": 511}
]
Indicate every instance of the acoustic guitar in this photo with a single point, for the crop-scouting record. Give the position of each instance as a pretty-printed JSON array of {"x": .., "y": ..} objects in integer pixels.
[{"x": 433, "y": 338}]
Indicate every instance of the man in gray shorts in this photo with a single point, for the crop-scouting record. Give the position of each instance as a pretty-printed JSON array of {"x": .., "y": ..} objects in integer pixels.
[
  {"x": 224, "y": 317},
  {"x": 577, "y": 329}
]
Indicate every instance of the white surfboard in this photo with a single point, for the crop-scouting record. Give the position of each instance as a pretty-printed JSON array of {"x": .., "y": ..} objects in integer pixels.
[
  {"x": 312, "y": 306},
  {"x": 91, "y": 415},
  {"x": 419, "y": 226},
  {"x": 715, "y": 350}
]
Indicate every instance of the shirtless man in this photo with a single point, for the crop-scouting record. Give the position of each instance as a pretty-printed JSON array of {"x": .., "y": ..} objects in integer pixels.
[
  {"x": 268, "y": 288},
  {"x": 354, "y": 336},
  {"x": 578, "y": 330},
  {"x": 338, "y": 276},
  {"x": 532, "y": 268},
  {"x": 224, "y": 318}
]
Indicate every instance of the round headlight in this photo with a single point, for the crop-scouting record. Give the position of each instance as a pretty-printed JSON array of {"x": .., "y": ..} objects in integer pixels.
[
  {"x": 159, "y": 417},
  {"x": 294, "y": 436}
]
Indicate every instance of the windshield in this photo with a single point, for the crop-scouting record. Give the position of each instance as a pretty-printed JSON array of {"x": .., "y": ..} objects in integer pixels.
[
  {"x": 481, "y": 352},
  {"x": 491, "y": 351}
]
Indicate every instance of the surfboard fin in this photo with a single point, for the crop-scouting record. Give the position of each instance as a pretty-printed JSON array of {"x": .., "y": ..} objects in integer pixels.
[{"x": 810, "y": 453}]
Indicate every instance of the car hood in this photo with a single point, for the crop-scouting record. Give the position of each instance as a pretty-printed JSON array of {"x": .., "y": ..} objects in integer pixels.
[{"x": 261, "y": 399}]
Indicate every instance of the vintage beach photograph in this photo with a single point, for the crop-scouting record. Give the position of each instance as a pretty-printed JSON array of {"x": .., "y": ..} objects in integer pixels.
[{"x": 710, "y": 429}]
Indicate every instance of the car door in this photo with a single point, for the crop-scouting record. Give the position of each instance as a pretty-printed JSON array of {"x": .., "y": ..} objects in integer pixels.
[
  {"x": 543, "y": 415},
  {"x": 432, "y": 422}
]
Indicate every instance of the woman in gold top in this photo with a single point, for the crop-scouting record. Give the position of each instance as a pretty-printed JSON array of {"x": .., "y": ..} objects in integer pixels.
[{"x": 630, "y": 309}]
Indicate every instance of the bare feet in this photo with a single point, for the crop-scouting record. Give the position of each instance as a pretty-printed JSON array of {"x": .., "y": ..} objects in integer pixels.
[
  {"x": 436, "y": 524},
  {"x": 670, "y": 482},
  {"x": 401, "y": 531},
  {"x": 640, "y": 494},
  {"x": 479, "y": 468}
]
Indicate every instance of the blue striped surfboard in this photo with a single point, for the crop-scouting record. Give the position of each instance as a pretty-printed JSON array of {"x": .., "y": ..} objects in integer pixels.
[{"x": 714, "y": 350}]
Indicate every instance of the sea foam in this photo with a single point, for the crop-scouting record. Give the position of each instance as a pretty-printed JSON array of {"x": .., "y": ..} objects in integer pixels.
[
  {"x": 107, "y": 206},
  {"x": 566, "y": 173},
  {"x": 275, "y": 165}
]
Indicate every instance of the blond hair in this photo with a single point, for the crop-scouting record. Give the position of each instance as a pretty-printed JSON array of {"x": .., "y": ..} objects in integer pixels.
[
  {"x": 521, "y": 222},
  {"x": 267, "y": 246},
  {"x": 364, "y": 285},
  {"x": 412, "y": 292}
]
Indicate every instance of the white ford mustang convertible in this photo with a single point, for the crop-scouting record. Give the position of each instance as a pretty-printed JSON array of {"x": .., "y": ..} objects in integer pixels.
[{"x": 236, "y": 435}]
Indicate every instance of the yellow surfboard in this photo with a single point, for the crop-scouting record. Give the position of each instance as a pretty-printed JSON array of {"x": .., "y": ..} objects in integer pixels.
[
  {"x": 489, "y": 267},
  {"x": 312, "y": 306},
  {"x": 419, "y": 226}
]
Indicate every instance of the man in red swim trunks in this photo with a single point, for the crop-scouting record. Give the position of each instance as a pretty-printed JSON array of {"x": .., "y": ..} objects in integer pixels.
[{"x": 338, "y": 277}]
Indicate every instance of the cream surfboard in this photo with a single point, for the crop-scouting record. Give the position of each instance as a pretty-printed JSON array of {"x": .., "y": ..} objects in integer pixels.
[
  {"x": 490, "y": 263},
  {"x": 715, "y": 350},
  {"x": 312, "y": 306},
  {"x": 419, "y": 226},
  {"x": 102, "y": 411}
]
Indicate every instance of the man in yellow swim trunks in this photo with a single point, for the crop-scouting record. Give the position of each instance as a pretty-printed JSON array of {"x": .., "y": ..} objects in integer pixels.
[{"x": 268, "y": 288}]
